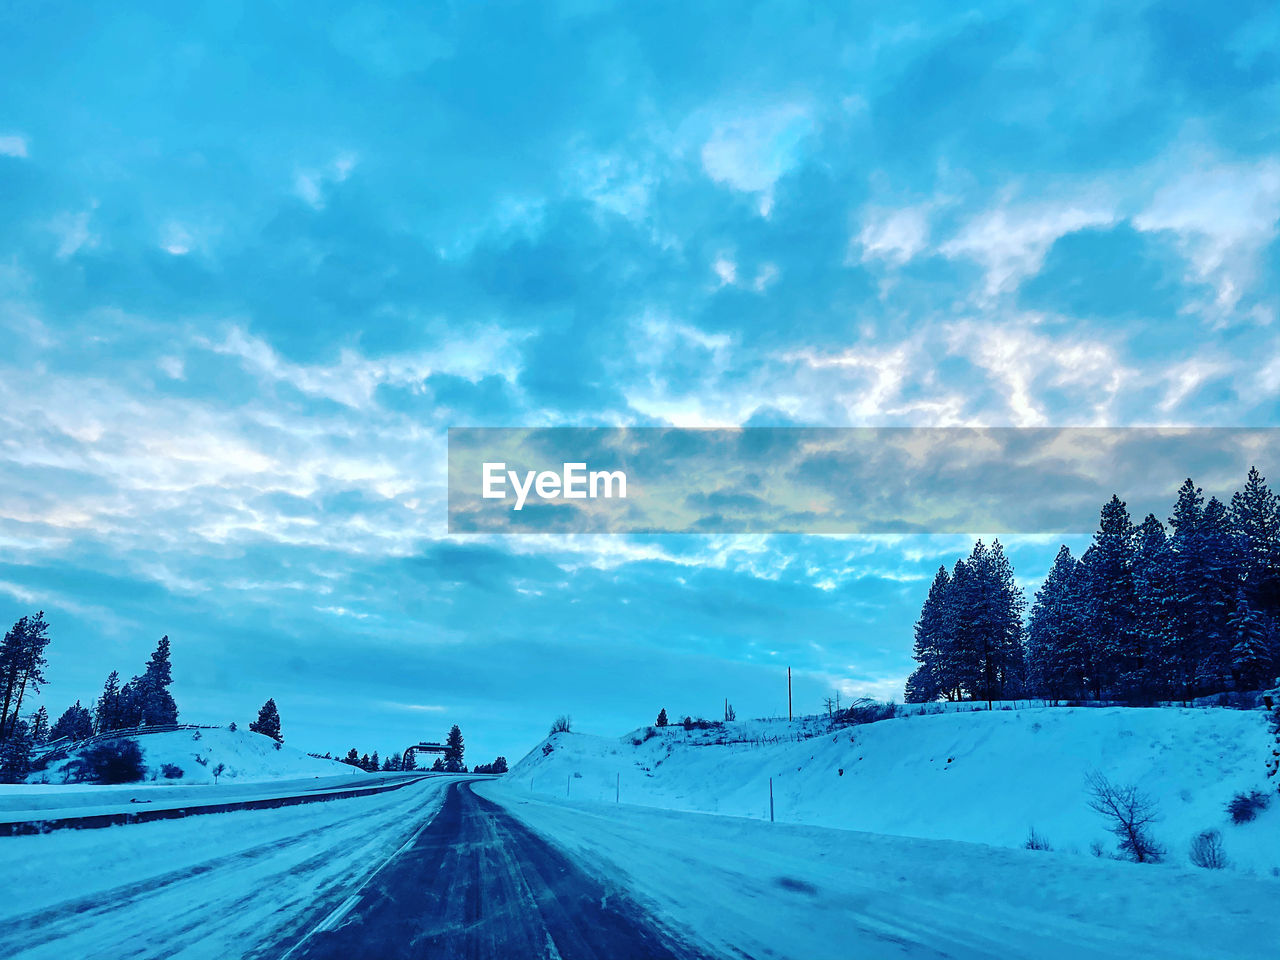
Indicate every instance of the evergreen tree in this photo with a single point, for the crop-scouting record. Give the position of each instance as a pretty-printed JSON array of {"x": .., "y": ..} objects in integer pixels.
[
  {"x": 662, "y": 717},
  {"x": 15, "y": 753},
  {"x": 157, "y": 705},
  {"x": 1111, "y": 611},
  {"x": 1154, "y": 584},
  {"x": 40, "y": 725},
  {"x": 364, "y": 762},
  {"x": 1185, "y": 651},
  {"x": 375, "y": 763},
  {"x": 108, "y": 714},
  {"x": 453, "y": 751},
  {"x": 22, "y": 664},
  {"x": 352, "y": 757},
  {"x": 1255, "y": 522},
  {"x": 1219, "y": 581},
  {"x": 932, "y": 641},
  {"x": 1251, "y": 655},
  {"x": 438, "y": 766},
  {"x": 409, "y": 761},
  {"x": 74, "y": 724},
  {"x": 268, "y": 722},
  {"x": 1055, "y": 670}
]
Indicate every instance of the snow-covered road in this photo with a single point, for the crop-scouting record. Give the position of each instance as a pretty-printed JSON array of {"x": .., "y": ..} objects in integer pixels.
[{"x": 430, "y": 871}]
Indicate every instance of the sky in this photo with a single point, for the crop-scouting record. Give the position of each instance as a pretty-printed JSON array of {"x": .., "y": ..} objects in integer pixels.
[{"x": 256, "y": 259}]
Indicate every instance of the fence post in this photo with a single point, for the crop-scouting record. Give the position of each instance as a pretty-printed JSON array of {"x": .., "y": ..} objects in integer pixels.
[
  {"x": 771, "y": 799},
  {"x": 617, "y": 788}
]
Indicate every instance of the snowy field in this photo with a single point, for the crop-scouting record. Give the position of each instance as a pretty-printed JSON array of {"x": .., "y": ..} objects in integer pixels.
[
  {"x": 986, "y": 777},
  {"x": 751, "y": 888}
]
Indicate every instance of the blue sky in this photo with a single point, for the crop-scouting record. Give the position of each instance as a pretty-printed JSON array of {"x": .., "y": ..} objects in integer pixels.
[{"x": 255, "y": 259}]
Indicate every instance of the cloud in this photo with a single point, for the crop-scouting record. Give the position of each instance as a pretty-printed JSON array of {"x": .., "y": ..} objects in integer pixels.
[
  {"x": 752, "y": 151},
  {"x": 13, "y": 145}
]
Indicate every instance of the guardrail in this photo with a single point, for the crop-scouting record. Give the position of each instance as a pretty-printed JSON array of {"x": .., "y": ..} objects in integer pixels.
[
  {"x": 16, "y": 828},
  {"x": 62, "y": 747}
]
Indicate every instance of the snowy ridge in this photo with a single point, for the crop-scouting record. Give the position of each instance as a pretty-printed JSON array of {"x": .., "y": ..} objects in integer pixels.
[
  {"x": 248, "y": 757},
  {"x": 985, "y": 777}
]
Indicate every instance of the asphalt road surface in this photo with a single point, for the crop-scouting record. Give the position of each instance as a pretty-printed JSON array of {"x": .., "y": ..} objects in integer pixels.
[{"x": 475, "y": 883}]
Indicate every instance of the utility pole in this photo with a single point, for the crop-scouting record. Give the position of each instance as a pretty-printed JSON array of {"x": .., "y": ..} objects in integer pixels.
[
  {"x": 771, "y": 799},
  {"x": 788, "y": 712}
]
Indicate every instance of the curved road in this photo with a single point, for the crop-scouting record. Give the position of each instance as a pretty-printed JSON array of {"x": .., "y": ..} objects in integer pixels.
[{"x": 476, "y": 883}]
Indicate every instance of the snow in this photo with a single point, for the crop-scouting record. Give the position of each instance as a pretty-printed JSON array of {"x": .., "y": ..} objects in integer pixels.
[
  {"x": 756, "y": 889},
  {"x": 222, "y": 885},
  {"x": 985, "y": 777},
  {"x": 246, "y": 756}
]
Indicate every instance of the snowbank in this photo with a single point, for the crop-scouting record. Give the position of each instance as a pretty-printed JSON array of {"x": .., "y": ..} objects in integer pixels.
[
  {"x": 986, "y": 777},
  {"x": 247, "y": 757}
]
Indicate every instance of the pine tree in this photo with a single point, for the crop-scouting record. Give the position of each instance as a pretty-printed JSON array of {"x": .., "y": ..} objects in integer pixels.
[
  {"x": 1122, "y": 667},
  {"x": 364, "y": 762},
  {"x": 15, "y": 753},
  {"x": 157, "y": 704},
  {"x": 932, "y": 640},
  {"x": 438, "y": 766},
  {"x": 352, "y": 757},
  {"x": 662, "y": 717},
  {"x": 108, "y": 712},
  {"x": 1219, "y": 581},
  {"x": 22, "y": 664},
  {"x": 1255, "y": 522},
  {"x": 1052, "y": 647},
  {"x": 268, "y": 722},
  {"x": 40, "y": 725},
  {"x": 1251, "y": 656},
  {"x": 453, "y": 751},
  {"x": 1185, "y": 652},
  {"x": 74, "y": 724},
  {"x": 1153, "y": 581},
  {"x": 374, "y": 762}
]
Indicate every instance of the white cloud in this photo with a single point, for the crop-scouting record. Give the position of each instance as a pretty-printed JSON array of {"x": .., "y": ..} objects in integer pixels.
[
  {"x": 1224, "y": 215},
  {"x": 751, "y": 152},
  {"x": 311, "y": 184},
  {"x": 13, "y": 145},
  {"x": 1010, "y": 241},
  {"x": 895, "y": 236}
]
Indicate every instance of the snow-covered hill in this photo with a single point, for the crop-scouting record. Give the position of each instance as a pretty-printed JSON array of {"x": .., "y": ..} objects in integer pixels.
[
  {"x": 247, "y": 757},
  {"x": 987, "y": 777}
]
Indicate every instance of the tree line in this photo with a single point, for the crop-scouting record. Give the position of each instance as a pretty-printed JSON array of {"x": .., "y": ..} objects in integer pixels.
[
  {"x": 450, "y": 762},
  {"x": 1148, "y": 612}
]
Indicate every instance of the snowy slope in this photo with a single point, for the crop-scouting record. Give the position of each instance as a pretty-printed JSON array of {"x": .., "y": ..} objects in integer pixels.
[
  {"x": 985, "y": 777},
  {"x": 247, "y": 756}
]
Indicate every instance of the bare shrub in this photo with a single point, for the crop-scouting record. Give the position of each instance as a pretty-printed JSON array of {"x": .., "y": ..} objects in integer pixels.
[
  {"x": 1035, "y": 841},
  {"x": 1206, "y": 850},
  {"x": 562, "y": 724},
  {"x": 1129, "y": 813}
]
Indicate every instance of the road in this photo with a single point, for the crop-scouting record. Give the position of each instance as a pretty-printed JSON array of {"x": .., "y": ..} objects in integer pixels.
[{"x": 476, "y": 883}]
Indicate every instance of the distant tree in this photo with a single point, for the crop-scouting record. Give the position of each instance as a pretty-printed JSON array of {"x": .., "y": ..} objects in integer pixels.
[
  {"x": 74, "y": 724},
  {"x": 391, "y": 763},
  {"x": 729, "y": 713},
  {"x": 453, "y": 751},
  {"x": 500, "y": 765},
  {"x": 268, "y": 722},
  {"x": 1059, "y": 656},
  {"x": 662, "y": 717},
  {"x": 375, "y": 763},
  {"x": 409, "y": 761},
  {"x": 22, "y": 664},
  {"x": 438, "y": 766},
  {"x": 562, "y": 724},
  {"x": 218, "y": 771},
  {"x": 1255, "y": 521},
  {"x": 352, "y": 757}
]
